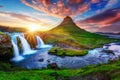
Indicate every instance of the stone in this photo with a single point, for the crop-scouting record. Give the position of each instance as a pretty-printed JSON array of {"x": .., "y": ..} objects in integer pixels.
[
  {"x": 41, "y": 60},
  {"x": 53, "y": 66}
]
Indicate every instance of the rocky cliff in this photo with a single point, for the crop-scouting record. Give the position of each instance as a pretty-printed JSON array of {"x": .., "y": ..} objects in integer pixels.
[{"x": 5, "y": 47}]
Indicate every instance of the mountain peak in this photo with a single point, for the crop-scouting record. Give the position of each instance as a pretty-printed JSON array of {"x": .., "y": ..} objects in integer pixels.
[
  {"x": 67, "y": 25},
  {"x": 67, "y": 20}
]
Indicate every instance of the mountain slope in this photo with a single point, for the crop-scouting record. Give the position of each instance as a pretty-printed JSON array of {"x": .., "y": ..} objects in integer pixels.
[
  {"x": 70, "y": 30},
  {"x": 67, "y": 26}
]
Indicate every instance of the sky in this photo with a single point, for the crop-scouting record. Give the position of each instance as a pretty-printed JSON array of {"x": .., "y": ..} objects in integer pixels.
[{"x": 91, "y": 15}]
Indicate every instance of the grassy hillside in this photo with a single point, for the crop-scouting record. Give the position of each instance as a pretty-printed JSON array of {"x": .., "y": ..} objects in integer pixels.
[
  {"x": 69, "y": 35},
  {"x": 68, "y": 30}
]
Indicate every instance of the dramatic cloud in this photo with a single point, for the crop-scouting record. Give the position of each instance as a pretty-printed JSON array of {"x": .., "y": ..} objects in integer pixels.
[
  {"x": 108, "y": 20},
  {"x": 88, "y": 14},
  {"x": 115, "y": 27},
  {"x": 61, "y": 8},
  {"x": 107, "y": 17},
  {"x": 20, "y": 16}
]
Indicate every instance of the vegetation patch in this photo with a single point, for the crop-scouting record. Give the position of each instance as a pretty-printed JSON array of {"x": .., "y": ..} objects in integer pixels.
[
  {"x": 67, "y": 52},
  {"x": 110, "y": 71}
]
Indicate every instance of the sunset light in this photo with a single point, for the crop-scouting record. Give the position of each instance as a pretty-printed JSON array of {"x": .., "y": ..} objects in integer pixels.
[
  {"x": 38, "y": 37},
  {"x": 33, "y": 27}
]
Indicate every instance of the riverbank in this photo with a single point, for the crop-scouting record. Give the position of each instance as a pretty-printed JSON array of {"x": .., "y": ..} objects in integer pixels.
[
  {"x": 41, "y": 59},
  {"x": 110, "y": 71},
  {"x": 88, "y": 72}
]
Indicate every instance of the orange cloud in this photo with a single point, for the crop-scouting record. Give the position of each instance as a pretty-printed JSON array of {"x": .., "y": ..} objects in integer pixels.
[
  {"x": 107, "y": 21},
  {"x": 75, "y": 1},
  {"x": 24, "y": 20},
  {"x": 95, "y": 1},
  {"x": 20, "y": 16},
  {"x": 59, "y": 9},
  {"x": 107, "y": 17}
]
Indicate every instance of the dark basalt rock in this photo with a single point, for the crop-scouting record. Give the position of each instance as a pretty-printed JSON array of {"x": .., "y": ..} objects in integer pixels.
[
  {"x": 5, "y": 47},
  {"x": 41, "y": 60},
  {"x": 108, "y": 51},
  {"x": 53, "y": 66}
]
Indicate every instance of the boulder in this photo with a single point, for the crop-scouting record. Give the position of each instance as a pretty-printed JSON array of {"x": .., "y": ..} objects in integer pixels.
[
  {"x": 53, "y": 66},
  {"x": 41, "y": 60},
  {"x": 5, "y": 47}
]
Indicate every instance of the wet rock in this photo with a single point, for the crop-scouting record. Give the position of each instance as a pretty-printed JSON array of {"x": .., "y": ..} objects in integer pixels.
[
  {"x": 53, "y": 66},
  {"x": 41, "y": 60},
  {"x": 48, "y": 60},
  {"x": 118, "y": 43},
  {"x": 5, "y": 47},
  {"x": 101, "y": 76},
  {"x": 75, "y": 78},
  {"x": 60, "y": 78},
  {"x": 108, "y": 51}
]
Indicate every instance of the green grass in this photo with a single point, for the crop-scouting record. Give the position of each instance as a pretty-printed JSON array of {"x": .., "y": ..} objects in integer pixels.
[
  {"x": 74, "y": 37},
  {"x": 71, "y": 31},
  {"x": 112, "y": 70},
  {"x": 70, "y": 35},
  {"x": 2, "y": 33},
  {"x": 67, "y": 52}
]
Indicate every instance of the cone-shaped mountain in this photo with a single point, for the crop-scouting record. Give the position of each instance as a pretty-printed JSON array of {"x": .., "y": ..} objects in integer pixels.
[{"x": 67, "y": 25}]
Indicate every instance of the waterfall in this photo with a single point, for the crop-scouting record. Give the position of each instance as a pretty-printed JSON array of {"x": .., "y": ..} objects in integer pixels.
[
  {"x": 17, "y": 56},
  {"x": 26, "y": 49},
  {"x": 22, "y": 34},
  {"x": 40, "y": 42},
  {"x": 25, "y": 46}
]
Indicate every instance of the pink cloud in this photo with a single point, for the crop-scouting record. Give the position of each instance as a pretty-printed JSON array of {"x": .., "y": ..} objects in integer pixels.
[
  {"x": 59, "y": 9},
  {"x": 94, "y": 1},
  {"x": 74, "y": 1},
  {"x": 20, "y": 16}
]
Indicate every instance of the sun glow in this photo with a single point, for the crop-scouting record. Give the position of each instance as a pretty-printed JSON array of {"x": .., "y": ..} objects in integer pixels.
[
  {"x": 36, "y": 27},
  {"x": 33, "y": 27}
]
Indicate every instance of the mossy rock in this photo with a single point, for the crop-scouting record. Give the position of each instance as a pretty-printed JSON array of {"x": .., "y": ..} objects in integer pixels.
[{"x": 67, "y": 52}]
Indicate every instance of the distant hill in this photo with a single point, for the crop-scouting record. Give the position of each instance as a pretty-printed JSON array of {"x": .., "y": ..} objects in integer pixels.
[
  {"x": 12, "y": 29},
  {"x": 67, "y": 26},
  {"x": 69, "y": 39}
]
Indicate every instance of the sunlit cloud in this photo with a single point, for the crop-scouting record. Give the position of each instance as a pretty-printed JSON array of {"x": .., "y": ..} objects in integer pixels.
[
  {"x": 107, "y": 19},
  {"x": 61, "y": 8},
  {"x": 92, "y": 15},
  {"x": 22, "y": 20}
]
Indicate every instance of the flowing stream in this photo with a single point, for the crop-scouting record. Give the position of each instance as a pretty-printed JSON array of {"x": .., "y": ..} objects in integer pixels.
[
  {"x": 40, "y": 58},
  {"x": 96, "y": 56}
]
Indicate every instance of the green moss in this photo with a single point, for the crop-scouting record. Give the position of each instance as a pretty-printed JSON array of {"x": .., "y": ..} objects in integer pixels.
[
  {"x": 79, "y": 36},
  {"x": 67, "y": 52},
  {"x": 2, "y": 33}
]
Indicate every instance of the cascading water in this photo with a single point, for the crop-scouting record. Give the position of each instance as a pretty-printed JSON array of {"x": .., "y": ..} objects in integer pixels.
[
  {"x": 26, "y": 50},
  {"x": 41, "y": 44},
  {"x": 25, "y": 46},
  {"x": 95, "y": 56},
  {"x": 17, "y": 56},
  {"x": 22, "y": 34}
]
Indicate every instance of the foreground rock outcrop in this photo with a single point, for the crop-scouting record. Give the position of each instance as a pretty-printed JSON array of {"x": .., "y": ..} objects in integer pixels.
[{"x": 5, "y": 47}]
